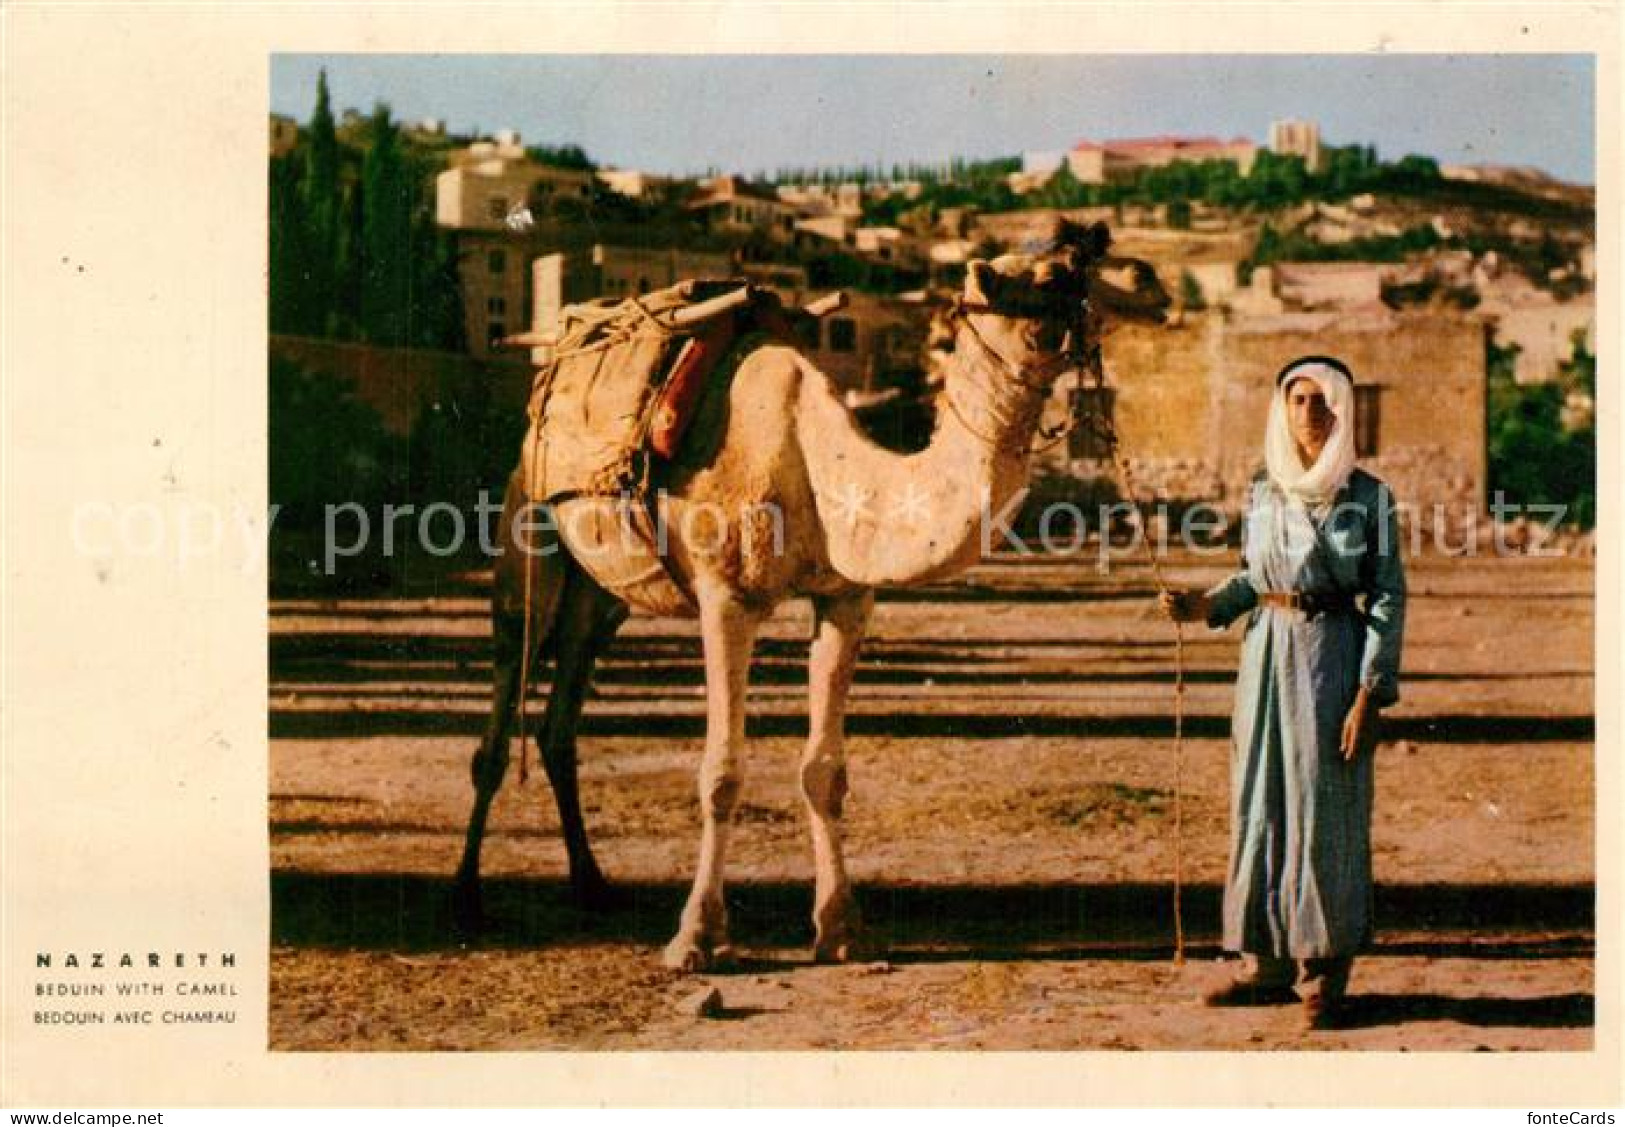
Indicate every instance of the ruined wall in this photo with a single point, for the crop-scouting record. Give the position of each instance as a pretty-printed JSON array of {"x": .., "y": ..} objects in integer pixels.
[
  {"x": 1429, "y": 372},
  {"x": 1192, "y": 400},
  {"x": 399, "y": 383}
]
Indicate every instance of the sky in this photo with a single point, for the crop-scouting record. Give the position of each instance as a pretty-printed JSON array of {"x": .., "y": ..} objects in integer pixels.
[{"x": 757, "y": 113}]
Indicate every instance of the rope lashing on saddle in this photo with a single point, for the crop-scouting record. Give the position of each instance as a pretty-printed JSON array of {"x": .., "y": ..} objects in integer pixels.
[{"x": 1106, "y": 431}]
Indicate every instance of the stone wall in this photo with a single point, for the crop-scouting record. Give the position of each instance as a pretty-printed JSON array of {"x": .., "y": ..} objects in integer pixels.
[
  {"x": 399, "y": 383},
  {"x": 1191, "y": 401}
]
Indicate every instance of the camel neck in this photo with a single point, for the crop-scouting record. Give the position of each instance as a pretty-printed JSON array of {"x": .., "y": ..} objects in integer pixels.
[{"x": 989, "y": 402}]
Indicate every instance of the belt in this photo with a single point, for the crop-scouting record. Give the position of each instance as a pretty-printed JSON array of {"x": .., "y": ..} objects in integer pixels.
[{"x": 1310, "y": 603}]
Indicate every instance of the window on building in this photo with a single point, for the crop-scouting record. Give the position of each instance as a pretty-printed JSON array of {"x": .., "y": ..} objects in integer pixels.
[
  {"x": 806, "y": 329},
  {"x": 843, "y": 334},
  {"x": 496, "y": 261},
  {"x": 1367, "y": 420},
  {"x": 495, "y": 332},
  {"x": 1093, "y": 408},
  {"x": 496, "y": 207},
  {"x": 496, "y": 306}
]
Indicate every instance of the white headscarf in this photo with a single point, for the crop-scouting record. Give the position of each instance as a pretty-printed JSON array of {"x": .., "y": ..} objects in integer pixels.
[{"x": 1317, "y": 484}]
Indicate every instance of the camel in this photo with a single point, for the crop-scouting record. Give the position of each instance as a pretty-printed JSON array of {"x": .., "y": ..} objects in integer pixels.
[{"x": 806, "y": 506}]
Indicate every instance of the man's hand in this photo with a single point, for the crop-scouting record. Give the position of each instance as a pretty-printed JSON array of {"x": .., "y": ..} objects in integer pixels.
[
  {"x": 1184, "y": 606},
  {"x": 1359, "y": 727}
]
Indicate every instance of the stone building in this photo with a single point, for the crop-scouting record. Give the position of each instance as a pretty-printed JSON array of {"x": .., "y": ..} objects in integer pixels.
[
  {"x": 875, "y": 342},
  {"x": 1105, "y": 162},
  {"x": 727, "y": 205},
  {"x": 634, "y": 184},
  {"x": 494, "y": 277},
  {"x": 1541, "y": 325},
  {"x": 820, "y": 232},
  {"x": 558, "y": 280},
  {"x": 1308, "y": 287},
  {"x": 1545, "y": 334},
  {"x": 565, "y": 278},
  {"x": 502, "y": 283},
  {"x": 1297, "y": 138},
  {"x": 490, "y": 180},
  {"x": 284, "y": 134},
  {"x": 1191, "y": 402},
  {"x": 872, "y": 343}
]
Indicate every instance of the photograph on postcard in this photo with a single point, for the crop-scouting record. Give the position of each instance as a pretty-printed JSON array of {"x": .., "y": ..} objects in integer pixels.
[{"x": 967, "y": 552}]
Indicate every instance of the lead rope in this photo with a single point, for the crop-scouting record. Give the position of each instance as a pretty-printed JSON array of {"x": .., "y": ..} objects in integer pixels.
[
  {"x": 1114, "y": 445},
  {"x": 1107, "y": 430}
]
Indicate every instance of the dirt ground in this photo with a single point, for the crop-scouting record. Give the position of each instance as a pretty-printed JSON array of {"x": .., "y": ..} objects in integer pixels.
[{"x": 1011, "y": 829}]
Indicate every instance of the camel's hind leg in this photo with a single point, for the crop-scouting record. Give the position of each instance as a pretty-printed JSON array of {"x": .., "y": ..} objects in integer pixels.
[
  {"x": 587, "y": 620},
  {"x": 545, "y": 569},
  {"x": 837, "y": 634}
]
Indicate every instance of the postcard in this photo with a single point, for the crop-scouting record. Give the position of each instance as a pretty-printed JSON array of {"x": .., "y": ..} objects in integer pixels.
[{"x": 1028, "y": 555}]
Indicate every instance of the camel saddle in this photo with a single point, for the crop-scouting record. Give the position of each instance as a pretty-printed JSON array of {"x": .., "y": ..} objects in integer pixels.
[
  {"x": 615, "y": 401},
  {"x": 624, "y": 381}
]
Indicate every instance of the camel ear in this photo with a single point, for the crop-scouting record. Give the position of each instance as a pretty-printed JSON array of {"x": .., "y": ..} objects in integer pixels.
[
  {"x": 1088, "y": 243},
  {"x": 981, "y": 281}
]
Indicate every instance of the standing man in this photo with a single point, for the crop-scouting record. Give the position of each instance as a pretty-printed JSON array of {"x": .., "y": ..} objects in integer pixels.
[{"x": 1324, "y": 589}]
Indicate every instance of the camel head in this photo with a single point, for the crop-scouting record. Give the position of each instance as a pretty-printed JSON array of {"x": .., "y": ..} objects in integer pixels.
[{"x": 1045, "y": 311}]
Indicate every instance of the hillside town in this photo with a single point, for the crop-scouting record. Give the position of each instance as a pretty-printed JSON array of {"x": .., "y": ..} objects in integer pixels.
[{"x": 1438, "y": 283}]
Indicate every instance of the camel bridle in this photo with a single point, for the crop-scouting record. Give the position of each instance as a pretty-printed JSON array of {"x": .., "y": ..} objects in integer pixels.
[{"x": 1072, "y": 310}]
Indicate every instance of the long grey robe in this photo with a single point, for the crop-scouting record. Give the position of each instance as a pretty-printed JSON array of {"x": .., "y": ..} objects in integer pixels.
[{"x": 1299, "y": 883}]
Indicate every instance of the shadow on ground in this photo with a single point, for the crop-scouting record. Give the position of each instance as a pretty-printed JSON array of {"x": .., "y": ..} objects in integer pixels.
[
  {"x": 1556, "y": 1011},
  {"x": 913, "y": 923}
]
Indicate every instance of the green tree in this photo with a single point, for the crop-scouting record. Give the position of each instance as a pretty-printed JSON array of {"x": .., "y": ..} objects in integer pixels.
[
  {"x": 342, "y": 318},
  {"x": 1533, "y": 458},
  {"x": 326, "y": 446},
  {"x": 561, "y": 156},
  {"x": 288, "y": 297},
  {"x": 1063, "y": 190},
  {"x": 436, "y": 313},
  {"x": 320, "y": 207},
  {"x": 1190, "y": 292},
  {"x": 1413, "y": 172},
  {"x": 386, "y": 235}
]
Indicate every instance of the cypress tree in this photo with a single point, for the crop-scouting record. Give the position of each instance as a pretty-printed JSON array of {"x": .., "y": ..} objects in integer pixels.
[
  {"x": 288, "y": 296},
  {"x": 386, "y": 234},
  {"x": 320, "y": 204},
  {"x": 344, "y": 316}
]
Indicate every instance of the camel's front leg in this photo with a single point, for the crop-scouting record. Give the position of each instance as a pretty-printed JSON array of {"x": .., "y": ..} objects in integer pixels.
[
  {"x": 729, "y": 631},
  {"x": 838, "y": 632}
]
